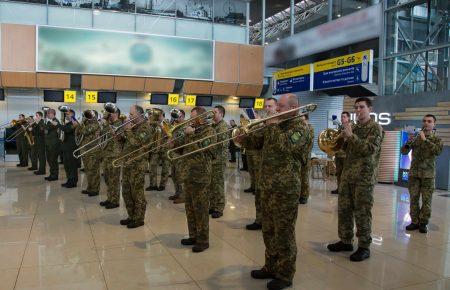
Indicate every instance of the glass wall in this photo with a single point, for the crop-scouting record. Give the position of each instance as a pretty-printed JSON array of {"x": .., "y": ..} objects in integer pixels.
[{"x": 417, "y": 46}]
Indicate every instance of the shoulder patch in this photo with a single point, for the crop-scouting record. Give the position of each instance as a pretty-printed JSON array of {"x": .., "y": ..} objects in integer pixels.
[
  {"x": 143, "y": 135},
  {"x": 206, "y": 142},
  {"x": 295, "y": 137}
]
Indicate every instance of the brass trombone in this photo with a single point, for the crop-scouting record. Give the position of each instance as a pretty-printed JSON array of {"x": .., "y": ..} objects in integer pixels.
[
  {"x": 244, "y": 129},
  {"x": 168, "y": 130},
  {"x": 21, "y": 130}
]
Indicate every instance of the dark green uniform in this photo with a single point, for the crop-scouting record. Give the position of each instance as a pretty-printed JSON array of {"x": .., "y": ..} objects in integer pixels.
[
  {"x": 219, "y": 163},
  {"x": 90, "y": 130},
  {"x": 38, "y": 160},
  {"x": 282, "y": 150},
  {"x": 112, "y": 151},
  {"x": 23, "y": 147},
  {"x": 158, "y": 157},
  {"x": 197, "y": 180},
  {"x": 306, "y": 168},
  {"x": 52, "y": 146},
  {"x": 358, "y": 178},
  {"x": 421, "y": 176},
  {"x": 68, "y": 146},
  {"x": 134, "y": 173}
]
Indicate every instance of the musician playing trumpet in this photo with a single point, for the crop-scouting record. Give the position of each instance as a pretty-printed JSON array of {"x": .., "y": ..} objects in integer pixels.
[
  {"x": 68, "y": 146},
  {"x": 38, "y": 162},
  {"x": 425, "y": 146}
]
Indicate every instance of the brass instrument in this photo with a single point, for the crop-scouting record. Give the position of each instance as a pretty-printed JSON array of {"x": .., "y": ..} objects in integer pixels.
[
  {"x": 168, "y": 131},
  {"x": 331, "y": 140},
  {"x": 246, "y": 127},
  {"x": 28, "y": 134},
  {"x": 22, "y": 130},
  {"x": 410, "y": 142},
  {"x": 13, "y": 123}
]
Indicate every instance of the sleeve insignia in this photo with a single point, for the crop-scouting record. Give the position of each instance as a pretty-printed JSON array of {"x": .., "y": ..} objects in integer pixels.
[
  {"x": 206, "y": 142},
  {"x": 295, "y": 137}
]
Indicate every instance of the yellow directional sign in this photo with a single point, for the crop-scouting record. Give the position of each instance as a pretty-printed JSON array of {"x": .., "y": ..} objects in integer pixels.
[
  {"x": 91, "y": 97},
  {"x": 259, "y": 103},
  {"x": 190, "y": 100},
  {"x": 70, "y": 96},
  {"x": 173, "y": 99}
]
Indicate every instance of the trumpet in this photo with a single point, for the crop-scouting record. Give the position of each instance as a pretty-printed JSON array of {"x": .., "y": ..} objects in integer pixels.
[
  {"x": 168, "y": 132},
  {"x": 410, "y": 142},
  {"x": 245, "y": 128}
]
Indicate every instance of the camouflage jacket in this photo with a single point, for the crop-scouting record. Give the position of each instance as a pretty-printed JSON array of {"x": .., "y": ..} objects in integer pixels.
[
  {"x": 362, "y": 154},
  {"x": 222, "y": 150},
  {"x": 282, "y": 150},
  {"x": 139, "y": 136},
  {"x": 310, "y": 144},
  {"x": 424, "y": 155},
  {"x": 113, "y": 147},
  {"x": 90, "y": 130},
  {"x": 198, "y": 166}
]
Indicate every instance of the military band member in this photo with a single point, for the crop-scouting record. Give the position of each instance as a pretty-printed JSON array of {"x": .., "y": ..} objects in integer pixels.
[
  {"x": 22, "y": 145},
  {"x": 219, "y": 163},
  {"x": 340, "y": 155},
  {"x": 89, "y": 128},
  {"x": 33, "y": 154},
  {"x": 160, "y": 156},
  {"x": 270, "y": 108},
  {"x": 306, "y": 168},
  {"x": 52, "y": 144},
  {"x": 38, "y": 130},
  {"x": 282, "y": 148},
  {"x": 68, "y": 146},
  {"x": 178, "y": 166},
  {"x": 111, "y": 151},
  {"x": 197, "y": 181},
  {"x": 137, "y": 134},
  {"x": 359, "y": 175},
  {"x": 425, "y": 148}
]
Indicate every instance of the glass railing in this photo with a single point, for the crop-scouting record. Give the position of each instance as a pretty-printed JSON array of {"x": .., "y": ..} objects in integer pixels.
[{"x": 231, "y": 12}]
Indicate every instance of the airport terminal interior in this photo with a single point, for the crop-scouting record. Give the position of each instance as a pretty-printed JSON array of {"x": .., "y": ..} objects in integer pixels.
[{"x": 224, "y": 144}]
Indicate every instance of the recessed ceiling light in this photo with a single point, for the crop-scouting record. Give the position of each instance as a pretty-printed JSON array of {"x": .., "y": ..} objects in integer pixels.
[
  {"x": 339, "y": 15},
  {"x": 359, "y": 7},
  {"x": 278, "y": 38},
  {"x": 266, "y": 43}
]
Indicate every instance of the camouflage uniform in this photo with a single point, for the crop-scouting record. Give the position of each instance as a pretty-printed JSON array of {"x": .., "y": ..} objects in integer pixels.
[
  {"x": 252, "y": 159},
  {"x": 357, "y": 181},
  {"x": 158, "y": 157},
  {"x": 282, "y": 150},
  {"x": 306, "y": 168},
  {"x": 339, "y": 158},
  {"x": 197, "y": 179},
  {"x": 52, "y": 146},
  {"x": 112, "y": 175},
  {"x": 219, "y": 163},
  {"x": 90, "y": 129},
  {"x": 178, "y": 170},
  {"x": 134, "y": 173},
  {"x": 421, "y": 176}
]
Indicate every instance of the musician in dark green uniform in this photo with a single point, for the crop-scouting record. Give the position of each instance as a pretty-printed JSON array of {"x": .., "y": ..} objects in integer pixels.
[
  {"x": 52, "y": 144},
  {"x": 21, "y": 142},
  {"x": 68, "y": 146},
  {"x": 38, "y": 131}
]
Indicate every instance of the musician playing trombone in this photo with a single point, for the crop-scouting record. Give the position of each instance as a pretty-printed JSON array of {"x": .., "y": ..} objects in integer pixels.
[
  {"x": 68, "y": 146},
  {"x": 52, "y": 144},
  {"x": 426, "y": 146},
  {"x": 23, "y": 147},
  {"x": 111, "y": 151},
  {"x": 38, "y": 162},
  {"x": 177, "y": 166},
  {"x": 197, "y": 179},
  {"x": 89, "y": 128},
  {"x": 281, "y": 145}
]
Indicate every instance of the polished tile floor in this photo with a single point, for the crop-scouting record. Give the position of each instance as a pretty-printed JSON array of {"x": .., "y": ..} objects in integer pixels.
[{"x": 54, "y": 238}]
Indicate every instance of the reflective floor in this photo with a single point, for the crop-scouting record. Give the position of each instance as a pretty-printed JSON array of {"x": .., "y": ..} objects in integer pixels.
[{"x": 54, "y": 238}]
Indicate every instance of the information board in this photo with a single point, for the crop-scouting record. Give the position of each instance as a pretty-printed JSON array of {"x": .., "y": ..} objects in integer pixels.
[{"x": 296, "y": 79}]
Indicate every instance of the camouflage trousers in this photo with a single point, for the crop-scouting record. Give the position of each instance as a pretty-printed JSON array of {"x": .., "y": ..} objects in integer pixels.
[
  {"x": 279, "y": 215},
  {"x": 420, "y": 187},
  {"x": 92, "y": 172},
  {"x": 133, "y": 181},
  {"x": 177, "y": 177},
  {"x": 339, "y": 165},
  {"x": 217, "y": 186},
  {"x": 251, "y": 164},
  {"x": 258, "y": 205},
  {"x": 305, "y": 173},
  {"x": 196, "y": 206},
  {"x": 112, "y": 180},
  {"x": 355, "y": 204},
  {"x": 155, "y": 160}
]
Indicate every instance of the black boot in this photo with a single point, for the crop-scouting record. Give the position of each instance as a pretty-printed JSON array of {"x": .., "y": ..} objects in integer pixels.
[
  {"x": 216, "y": 214},
  {"x": 360, "y": 255},
  {"x": 261, "y": 274},
  {"x": 188, "y": 242},
  {"x": 125, "y": 221},
  {"x": 334, "y": 191},
  {"x": 340, "y": 247},
  {"x": 303, "y": 200},
  {"x": 93, "y": 193},
  {"x": 412, "y": 227},
  {"x": 135, "y": 224},
  {"x": 197, "y": 248},
  {"x": 277, "y": 284},
  {"x": 249, "y": 190},
  {"x": 161, "y": 188},
  {"x": 111, "y": 205},
  {"x": 84, "y": 191},
  {"x": 423, "y": 228},
  {"x": 104, "y": 203},
  {"x": 254, "y": 226}
]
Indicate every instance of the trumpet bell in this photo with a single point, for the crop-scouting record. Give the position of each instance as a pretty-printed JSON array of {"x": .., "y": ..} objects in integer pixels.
[
  {"x": 235, "y": 133},
  {"x": 89, "y": 114},
  {"x": 329, "y": 141},
  {"x": 64, "y": 108},
  {"x": 110, "y": 108},
  {"x": 167, "y": 128}
]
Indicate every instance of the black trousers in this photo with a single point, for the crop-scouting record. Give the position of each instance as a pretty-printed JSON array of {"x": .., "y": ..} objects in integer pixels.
[
  {"x": 52, "y": 152},
  {"x": 70, "y": 166}
]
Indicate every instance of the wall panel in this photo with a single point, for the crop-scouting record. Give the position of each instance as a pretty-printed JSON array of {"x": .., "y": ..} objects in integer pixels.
[
  {"x": 18, "y": 45},
  {"x": 159, "y": 85},
  {"x": 53, "y": 81},
  {"x": 224, "y": 89},
  {"x": 197, "y": 87},
  {"x": 248, "y": 90},
  {"x": 19, "y": 79},
  {"x": 129, "y": 84},
  {"x": 251, "y": 64},
  {"x": 226, "y": 62},
  {"x": 89, "y": 82}
]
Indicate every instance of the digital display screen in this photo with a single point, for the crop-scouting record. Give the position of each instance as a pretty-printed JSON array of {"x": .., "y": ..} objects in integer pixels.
[
  {"x": 405, "y": 160},
  {"x": 53, "y": 96},
  {"x": 159, "y": 99},
  {"x": 106, "y": 97},
  {"x": 246, "y": 102},
  {"x": 2, "y": 94},
  {"x": 204, "y": 101}
]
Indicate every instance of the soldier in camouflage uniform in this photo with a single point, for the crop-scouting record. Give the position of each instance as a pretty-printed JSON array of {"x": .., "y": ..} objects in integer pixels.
[
  {"x": 160, "y": 156},
  {"x": 197, "y": 180},
  {"x": 219, "y": 163},
  {"x": 252, "y": 160},
  {"x": 282, "y": 148},
  {"x": 178, "y": 166},
  {"x": 270, "y": 108},
  {"x": 425, "y": 148},
  {"x": 340, "y": 155},
  {"x": 90, "y": 130},
  {"x": 136, "y": 136},
  {"x": 110, "y": 152},
  {"x": 306, "y": 168},
  {"x": 52, "y": 144},
  {"x": 362, "y": 146}
]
